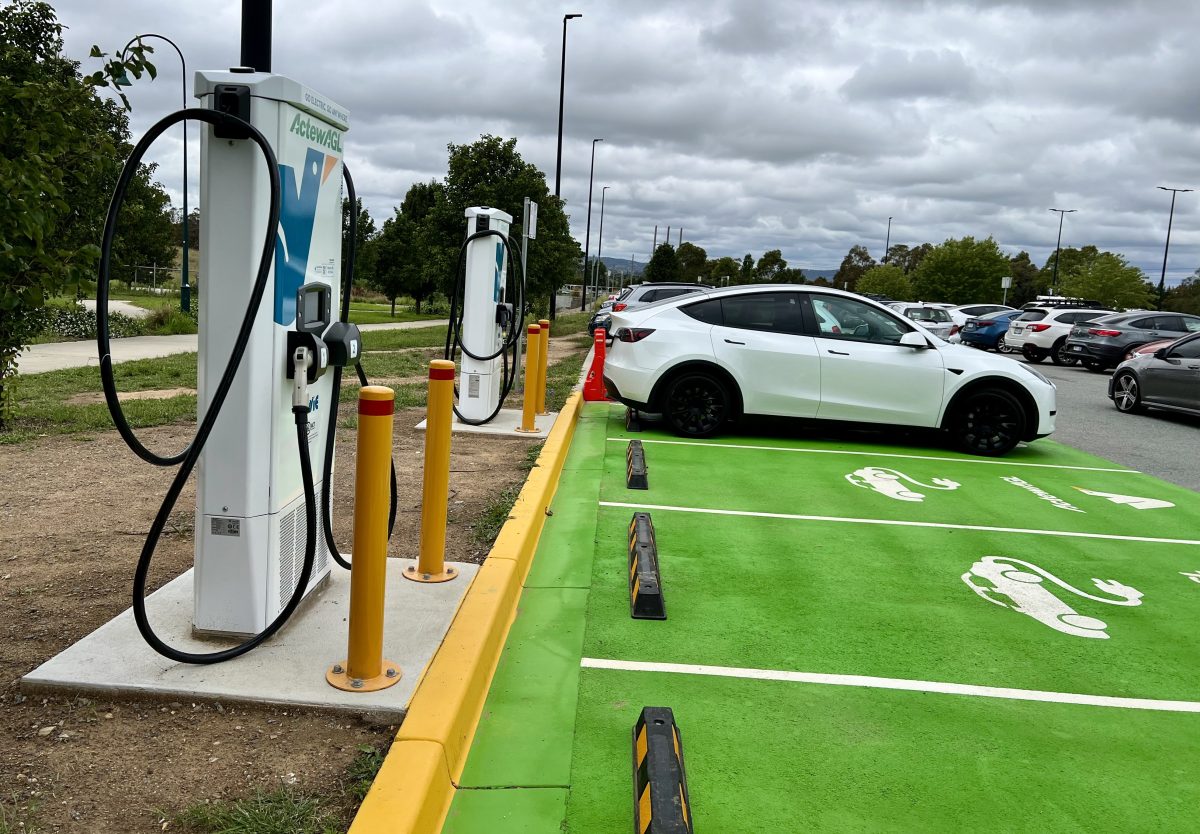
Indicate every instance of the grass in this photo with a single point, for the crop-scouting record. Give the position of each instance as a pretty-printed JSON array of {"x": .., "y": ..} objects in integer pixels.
[
  {"x": 569, "y": 324},
  {"x": 399, "y": 339},
  {"x": 413, "y": 362},
  {"x": 381, "y": 314},
  {"x": 561, "y": 377},
  {"x": 487, "y": 527},
  {"x": 42, "y": 407},
  {"x": 18, "y": 816},
  {"x": 287, "y": 810}
]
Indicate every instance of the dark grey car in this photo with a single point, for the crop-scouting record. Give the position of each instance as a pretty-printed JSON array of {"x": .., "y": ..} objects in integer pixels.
[
  {"x": 1168, "y": 378},
  {"x": 1105, "y": 342}
]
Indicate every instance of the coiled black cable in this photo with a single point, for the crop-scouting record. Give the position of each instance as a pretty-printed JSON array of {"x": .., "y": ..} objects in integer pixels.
[
  {"x": 508, "y": 372},
  {"x": 188, "y": 458}
]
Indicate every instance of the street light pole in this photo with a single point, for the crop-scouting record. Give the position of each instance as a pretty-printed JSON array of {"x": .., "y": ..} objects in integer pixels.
[
  {"x": 185, "y": 289},
  {"x": 1058, "y": 247},
  {"x": 1162, "y": 281},
  {"x": 888, "y": 242},
  {"x": 600, "y": 239},
  {"x": 587, "y": 240},
  {"x": 562, "y": 88}
]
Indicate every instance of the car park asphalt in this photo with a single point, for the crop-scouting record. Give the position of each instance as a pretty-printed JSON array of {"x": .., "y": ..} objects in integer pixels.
[{"x": 1156, "y": 442}]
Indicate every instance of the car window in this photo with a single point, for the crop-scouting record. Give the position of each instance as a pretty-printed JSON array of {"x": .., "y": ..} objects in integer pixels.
[
  {"x": 1188, "y": 350},
  {"x": 855, "y": 321},
  {"x": 708, "y": 311},
  {"x": 1075, "y": 318},
  {"x": 930, "y": 314},
  {"x": 1032, "y": 315},
  {"x": 671, "y": 293},
  {"x": 1147, "y": 323},
  {"x": 776, "y": 312},
  {"x": 1192, "y": 325},
  {"x": 624, "y": 293},
  {"x": 1171, "y": 324}
]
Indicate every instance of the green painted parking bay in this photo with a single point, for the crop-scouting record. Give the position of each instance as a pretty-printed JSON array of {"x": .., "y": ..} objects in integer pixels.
[{"x": 841, "y": 659}]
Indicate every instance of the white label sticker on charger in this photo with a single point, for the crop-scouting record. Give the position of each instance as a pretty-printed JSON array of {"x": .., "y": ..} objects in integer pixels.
[
  {"x": 227, "y": 527},
  {"x": 473, "y": 386}
]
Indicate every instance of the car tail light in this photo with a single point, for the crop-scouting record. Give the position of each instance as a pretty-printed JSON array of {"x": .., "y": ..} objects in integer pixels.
[
  {"x": 1098, "y": 331},
  {"x": 618, "y": 307},
  {"x": 633, "y": 334},
  {"x": 1038, "y": 328},
  {"x": 984, "y": 323}
]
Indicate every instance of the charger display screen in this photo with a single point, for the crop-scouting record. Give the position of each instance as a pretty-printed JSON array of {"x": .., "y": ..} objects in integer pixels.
[{"x": 312, "y": 308}]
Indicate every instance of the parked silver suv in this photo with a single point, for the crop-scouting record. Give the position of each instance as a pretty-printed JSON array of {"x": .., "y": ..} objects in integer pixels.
[{"x": 639, "y": 295}]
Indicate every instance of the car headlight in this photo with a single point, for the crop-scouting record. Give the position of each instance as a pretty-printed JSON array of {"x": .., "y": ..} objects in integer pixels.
[{"x": 1035, "y": 372}]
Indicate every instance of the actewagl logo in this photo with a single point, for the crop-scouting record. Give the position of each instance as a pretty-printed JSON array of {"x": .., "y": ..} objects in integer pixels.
[{"x": 307, "y": 129}]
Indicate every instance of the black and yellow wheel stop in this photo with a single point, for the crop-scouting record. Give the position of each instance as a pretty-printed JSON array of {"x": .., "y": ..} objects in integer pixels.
[
  {"x": 635, "y": 466},
  {"x": 633, "y": 420},
  {"x": 645, "y": 583},
  {"x": 661, "y": 804}
]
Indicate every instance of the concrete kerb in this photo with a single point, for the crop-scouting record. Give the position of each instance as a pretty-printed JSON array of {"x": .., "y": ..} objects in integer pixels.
[{"x": 414, "y": 788}]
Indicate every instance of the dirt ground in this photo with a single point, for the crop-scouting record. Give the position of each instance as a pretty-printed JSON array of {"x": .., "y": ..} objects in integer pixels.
[{"x": 73, "y": 515}]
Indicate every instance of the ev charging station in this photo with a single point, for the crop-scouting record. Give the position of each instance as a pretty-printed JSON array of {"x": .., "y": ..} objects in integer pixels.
[
  {"x": 250, "y": 519},
  {"x": 487, "y": 316}
]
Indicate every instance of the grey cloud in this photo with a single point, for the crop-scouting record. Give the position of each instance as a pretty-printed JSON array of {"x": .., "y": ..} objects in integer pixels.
[{"x": 894, "y": 75}]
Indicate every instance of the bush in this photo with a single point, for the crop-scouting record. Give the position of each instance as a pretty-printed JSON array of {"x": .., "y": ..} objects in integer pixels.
[
  {"x": 170, "y": 321},
  {"x": 77, "y": 322}
]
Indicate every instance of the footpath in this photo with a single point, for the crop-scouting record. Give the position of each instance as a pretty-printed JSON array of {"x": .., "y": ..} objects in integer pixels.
[{"x": 55, "y": 356}]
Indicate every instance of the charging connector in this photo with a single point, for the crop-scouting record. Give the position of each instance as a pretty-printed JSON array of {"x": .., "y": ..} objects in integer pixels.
[{"x": 301, "y": 360}]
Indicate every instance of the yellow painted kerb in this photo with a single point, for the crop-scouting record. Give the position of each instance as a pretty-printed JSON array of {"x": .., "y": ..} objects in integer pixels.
[{"x": 414, "y": 789}]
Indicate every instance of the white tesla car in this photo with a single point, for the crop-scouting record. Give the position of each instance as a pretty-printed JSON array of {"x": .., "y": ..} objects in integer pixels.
[{"x": 788, "y": 350}]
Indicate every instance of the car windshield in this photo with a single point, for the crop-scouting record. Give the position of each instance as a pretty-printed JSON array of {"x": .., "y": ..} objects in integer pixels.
[{"x": 927, "y": 314}]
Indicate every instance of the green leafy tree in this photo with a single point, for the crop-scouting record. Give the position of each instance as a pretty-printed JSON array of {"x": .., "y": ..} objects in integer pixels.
[
  {"x": 147, "y": 235},
  {"x": 908, "y": 259},
  {"x": 857, "y": 261},
  {"x": 790, "y": 275},
  {"x": 886, "y": 279},
  {"x": 409, "y": 253},
  {"x": 1186, "y": 297},
  {"x": 60, "y": 149},
  {"x": 722, "y": 270},
  {"x": 769, "y": 266},
  {"x": 664, "y": 265},
  {"x": 1109, "y": 279},
  {"x": 1026, "y": 279},
  {"x": 364, "y": 254},
  {"x": 746, "y": 272},
  {"x": 961, "y": 272},
  {"x": 490, "y": 172},
  {"x": 692, "y": 261}
]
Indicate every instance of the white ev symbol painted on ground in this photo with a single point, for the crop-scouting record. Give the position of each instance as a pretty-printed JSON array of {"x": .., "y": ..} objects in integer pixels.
[
  {"x": 1012, "y": 583},
  {"x": 1132, "y": 500},
  {"x": 887, "y": 482}
]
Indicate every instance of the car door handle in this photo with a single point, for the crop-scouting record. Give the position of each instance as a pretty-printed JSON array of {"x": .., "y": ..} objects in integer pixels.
[
  {"x": 837, "y": 352},
  {"x": 732, "y": 342},
  {"x": 1194, "y": 367}
]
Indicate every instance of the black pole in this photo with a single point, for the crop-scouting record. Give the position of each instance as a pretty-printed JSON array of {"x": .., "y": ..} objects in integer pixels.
[
  {"x": 1162, "y": 281},
  {"x": 600, "y": 237},
  {"x": 587, "y": 244},
  {"x": 256, "y": 34},
  {"x": 562, "y": 89},
  {"x": 1058, "y": 247},
  {"x": 887, "y": 244}
]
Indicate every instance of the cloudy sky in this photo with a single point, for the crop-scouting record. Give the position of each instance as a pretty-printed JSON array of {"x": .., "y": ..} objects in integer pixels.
[{"x": 754, "y": 125}]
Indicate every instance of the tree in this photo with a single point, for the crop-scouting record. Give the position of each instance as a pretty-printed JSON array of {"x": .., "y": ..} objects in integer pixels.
[
  {"x": 857, "y": 261},
  {"x": 907, "y": 259},
  {"x": 364, "y": 255},
  {"x": 790, "y": 275},
  {"x": 692, "y": 261},
  {"x": 59, "y": 155},
  {"x": 490, "y": 172},
  {"x": 961, "y": 272},
  {"x": 410, "y": 256},
  {"x": 1186, "y": 297},
  {"x": 1025, "y": 279},
  {"x": 722, "y": 271},
  {"x": 147, "y": 233},
  {"x": 886, "y": 279},
  {"x": 746, "y": 272},
  {"x": 1109, "y": 279},
  {"x": 664, "y": 265},
  {"x": 769, "y": 266}
]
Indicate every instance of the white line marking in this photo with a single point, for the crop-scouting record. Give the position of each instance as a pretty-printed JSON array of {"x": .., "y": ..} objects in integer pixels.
[
  {"x": 869, "y": 682},
  {"x": 896, "y": 523},
  {"x": 878, "y": 455}
]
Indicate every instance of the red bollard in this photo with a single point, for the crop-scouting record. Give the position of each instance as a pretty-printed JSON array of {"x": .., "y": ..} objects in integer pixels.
[{"x": 593, "y": 386}]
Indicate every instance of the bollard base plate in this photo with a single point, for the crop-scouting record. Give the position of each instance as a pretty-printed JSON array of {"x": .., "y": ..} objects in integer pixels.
[
  {"x": 389, "y": 676},
  {"x": 534, "y": 430},
  {"x": 412, "y": 572}
]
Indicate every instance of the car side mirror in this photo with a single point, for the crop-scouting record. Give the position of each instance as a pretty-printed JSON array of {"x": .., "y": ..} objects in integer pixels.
[
  {"x": 915, "y": 340},
  {"x": 1161, "y": 353}
]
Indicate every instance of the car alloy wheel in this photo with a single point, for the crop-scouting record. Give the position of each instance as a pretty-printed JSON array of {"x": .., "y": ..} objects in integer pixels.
[
  {"x": 696, "y": 405},
  {"x": 1002, "y": 346},
  {"x": 1059, "y": 355},
  {"x": 1127, "y": 395},
  {"x": 990, "y": 422}
]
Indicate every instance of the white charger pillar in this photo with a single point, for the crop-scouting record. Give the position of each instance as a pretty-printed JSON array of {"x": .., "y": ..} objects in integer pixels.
[
  {"x": 250, "y": 519},
  {"x": 483, "y": 294}
]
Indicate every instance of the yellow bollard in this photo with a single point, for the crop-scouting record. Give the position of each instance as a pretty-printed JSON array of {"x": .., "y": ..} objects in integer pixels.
[
  {"x": 533, "y": 359},
  {"x": 541, "y": 385},
  {"x": 435, "y": 490},
  {"x": 365, "y": 670}
]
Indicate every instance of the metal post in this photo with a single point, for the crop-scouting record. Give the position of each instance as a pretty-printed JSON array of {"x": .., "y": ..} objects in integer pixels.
[
  {"x": 256, "y": 34},
  {"x": 365, "y": 669},
  {"x": 544, "y": 344},
  {"x": 587, "y": 245},
  {"x": 562, "y": 88},
  {"x": 600, "y": 238},
  {"x": 435, "y": 485},
  {"x": 887, "y": 244},
  {"x": 1058, "y": 247},
  {"x": 529, "y": 404},
  {"x": 1162, "y": 281}
]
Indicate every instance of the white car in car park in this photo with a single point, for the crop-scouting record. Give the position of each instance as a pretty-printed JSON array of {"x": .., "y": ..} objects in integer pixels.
[
  {"x": 1043, "y": 330},
  {"x": 803, "y": 351}
]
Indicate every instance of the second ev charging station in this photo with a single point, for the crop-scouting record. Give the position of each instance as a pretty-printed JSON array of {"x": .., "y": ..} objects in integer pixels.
[{"x": 486, "y": 316}]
